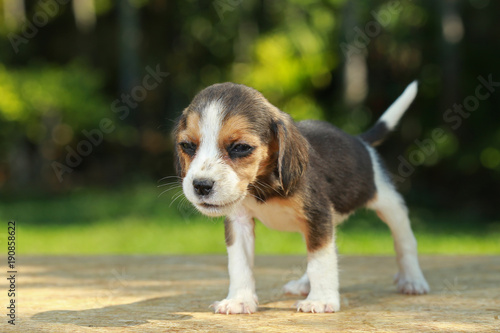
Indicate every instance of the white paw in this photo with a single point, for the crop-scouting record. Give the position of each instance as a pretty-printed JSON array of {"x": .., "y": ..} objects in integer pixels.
[
  {"x": 235, "y": 306},
  {"x": 320, "y": 306},
  {"x": 297, "y": 287},
  {"x": 411, "y": 285}
]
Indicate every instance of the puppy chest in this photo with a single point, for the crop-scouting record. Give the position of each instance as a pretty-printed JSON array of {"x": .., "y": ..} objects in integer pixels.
[{"x": 277, "y": 214}]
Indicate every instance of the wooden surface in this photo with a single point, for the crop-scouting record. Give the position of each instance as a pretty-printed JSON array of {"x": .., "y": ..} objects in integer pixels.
[{"x": 172, "y": 294}]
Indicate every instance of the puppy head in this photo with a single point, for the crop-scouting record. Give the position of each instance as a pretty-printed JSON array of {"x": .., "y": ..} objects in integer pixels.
[{"x": 227, "y": 138}]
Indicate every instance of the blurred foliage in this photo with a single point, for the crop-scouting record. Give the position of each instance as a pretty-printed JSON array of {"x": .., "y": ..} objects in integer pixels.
[
  {"x": 288, "y": 63},
  {"x": 64, "y": 78},
  {"x": 72, "y": 93}
]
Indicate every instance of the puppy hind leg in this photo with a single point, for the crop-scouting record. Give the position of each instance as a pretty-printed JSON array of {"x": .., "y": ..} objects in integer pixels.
[
  {"x": 298, "y": 287},
  {"x": 391, "y": 209}
]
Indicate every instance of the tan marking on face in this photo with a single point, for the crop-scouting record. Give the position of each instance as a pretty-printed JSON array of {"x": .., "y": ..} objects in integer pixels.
[
  {"x": 192, "y": 131},
  {"x": 237, "y": 130},
  {"x": 190, "y": 134}
]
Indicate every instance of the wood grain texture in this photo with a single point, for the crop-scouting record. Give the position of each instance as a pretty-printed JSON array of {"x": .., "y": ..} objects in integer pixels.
[{"x": 172, "y": 293}]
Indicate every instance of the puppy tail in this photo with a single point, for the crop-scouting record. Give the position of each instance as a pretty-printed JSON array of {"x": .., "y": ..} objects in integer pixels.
[{"x": 375, "y": 135}]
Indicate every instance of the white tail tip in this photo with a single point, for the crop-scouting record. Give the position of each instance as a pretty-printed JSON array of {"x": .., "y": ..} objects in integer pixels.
[{"x": 392, "y": 115}]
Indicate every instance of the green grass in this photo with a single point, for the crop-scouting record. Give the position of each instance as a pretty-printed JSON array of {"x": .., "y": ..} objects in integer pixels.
[{"x": 137, "y": 221}]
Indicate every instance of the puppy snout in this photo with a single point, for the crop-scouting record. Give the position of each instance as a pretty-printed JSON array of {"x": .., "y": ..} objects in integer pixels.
[{"x": 203, "y": 187}]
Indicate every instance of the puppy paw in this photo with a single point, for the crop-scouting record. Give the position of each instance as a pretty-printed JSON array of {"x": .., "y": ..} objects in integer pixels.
[
  {"x": 320, "y": 306},
  {"x": 297, "y": 287},
  {"x": 411, "y": 285},
  {"x": 235, "y": 306}
]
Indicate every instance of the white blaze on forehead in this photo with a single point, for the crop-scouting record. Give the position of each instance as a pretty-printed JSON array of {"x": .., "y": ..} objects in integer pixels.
[
  {"x": 210, "y": 125},
  {"x": 207, "y": 159}
]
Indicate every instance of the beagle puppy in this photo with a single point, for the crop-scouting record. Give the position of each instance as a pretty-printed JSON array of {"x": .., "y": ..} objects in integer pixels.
[{"x": 239, "y": 156}]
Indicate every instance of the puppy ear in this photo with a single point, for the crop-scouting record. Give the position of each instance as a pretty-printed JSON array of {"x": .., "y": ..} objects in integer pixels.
[{"x": 293, "y": 153}]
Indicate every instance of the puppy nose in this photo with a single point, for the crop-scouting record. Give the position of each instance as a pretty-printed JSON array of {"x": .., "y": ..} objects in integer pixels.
[{"x": 203, "y": 186}]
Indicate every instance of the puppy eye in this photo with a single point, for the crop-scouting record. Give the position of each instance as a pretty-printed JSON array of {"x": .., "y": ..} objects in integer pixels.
[
  {"x": 236, "y": 150},
  {"x": 188, "y": 147}
]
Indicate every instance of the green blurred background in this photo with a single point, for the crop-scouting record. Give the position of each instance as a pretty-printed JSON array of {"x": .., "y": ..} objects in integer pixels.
[{"x": 90, "y": 89}]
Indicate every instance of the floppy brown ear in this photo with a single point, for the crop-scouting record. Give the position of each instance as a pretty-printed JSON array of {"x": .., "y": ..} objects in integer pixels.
[{"x": 293, "y": 153}]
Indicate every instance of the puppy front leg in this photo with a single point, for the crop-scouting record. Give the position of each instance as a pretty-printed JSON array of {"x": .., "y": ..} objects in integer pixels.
[
  {"x": 323, "y": 275},
  {"x": 240, "y": 240}
]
